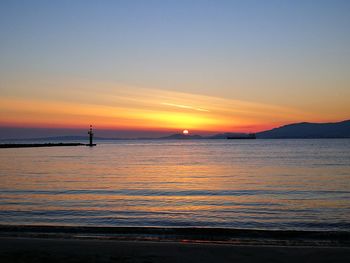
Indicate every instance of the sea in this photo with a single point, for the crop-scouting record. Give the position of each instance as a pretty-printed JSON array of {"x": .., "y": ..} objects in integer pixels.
[{"x": 277, "y": 184}]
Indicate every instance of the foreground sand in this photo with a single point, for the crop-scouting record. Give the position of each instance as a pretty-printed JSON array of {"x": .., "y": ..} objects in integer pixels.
[{"x": 19, "y": 249}]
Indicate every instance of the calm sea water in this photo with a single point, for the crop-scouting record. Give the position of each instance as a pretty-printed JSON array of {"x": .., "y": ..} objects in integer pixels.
[{"x": 263, "y": 184}]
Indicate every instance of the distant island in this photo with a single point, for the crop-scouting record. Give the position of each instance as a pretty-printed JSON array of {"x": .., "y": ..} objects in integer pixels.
[{"x": 303, "y": 130}]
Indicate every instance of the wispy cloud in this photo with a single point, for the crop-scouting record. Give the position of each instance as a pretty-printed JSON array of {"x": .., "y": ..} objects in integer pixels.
[{"x": 184, "y": 106}]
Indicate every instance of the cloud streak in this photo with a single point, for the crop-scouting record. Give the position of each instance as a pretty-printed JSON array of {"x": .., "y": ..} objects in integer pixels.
[{"x": 184, "y": 107}]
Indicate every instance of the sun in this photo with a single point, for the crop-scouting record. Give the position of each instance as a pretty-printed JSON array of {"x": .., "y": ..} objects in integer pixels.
[{"x": 185, "y": 132}]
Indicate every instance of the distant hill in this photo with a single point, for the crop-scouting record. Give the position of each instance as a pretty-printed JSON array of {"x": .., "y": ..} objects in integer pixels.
[
  {"x": 227, "y": 134},
  {"x": 216, "y": 136},
  {"x": 308, "y": 130},
  {"x": 181, "y": 136}
]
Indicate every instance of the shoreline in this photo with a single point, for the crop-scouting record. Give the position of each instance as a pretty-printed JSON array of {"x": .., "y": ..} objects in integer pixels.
[
  {"x": 183, "y": 234},
  {"x": 17, "y": 249}
]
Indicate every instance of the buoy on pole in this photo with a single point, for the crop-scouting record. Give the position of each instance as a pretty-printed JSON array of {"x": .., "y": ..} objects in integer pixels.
[{"x": 91, "y": 135}]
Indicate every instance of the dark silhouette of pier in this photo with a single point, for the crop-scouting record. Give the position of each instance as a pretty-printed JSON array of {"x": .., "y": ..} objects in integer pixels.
[{"x": 28, "y": 145}]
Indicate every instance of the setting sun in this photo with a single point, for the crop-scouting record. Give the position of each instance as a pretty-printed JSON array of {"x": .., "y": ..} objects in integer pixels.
[{"x": 185, "y": 132}]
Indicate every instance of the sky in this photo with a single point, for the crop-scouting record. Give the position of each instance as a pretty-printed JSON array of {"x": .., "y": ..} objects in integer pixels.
[{"x": 137, "y": 68}]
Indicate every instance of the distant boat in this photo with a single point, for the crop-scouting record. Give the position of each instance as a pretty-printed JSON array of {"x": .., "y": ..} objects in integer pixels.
[{"x": 243, "y": 136}]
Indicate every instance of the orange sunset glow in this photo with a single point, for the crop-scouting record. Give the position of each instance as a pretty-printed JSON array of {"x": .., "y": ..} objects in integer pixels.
[{"x": 120, "y": 107}]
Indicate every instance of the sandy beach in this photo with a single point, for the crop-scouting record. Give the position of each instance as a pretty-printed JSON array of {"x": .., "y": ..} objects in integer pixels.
[
  {"x": 15, "y": 249},
  {"x": 140, "y": 244}
]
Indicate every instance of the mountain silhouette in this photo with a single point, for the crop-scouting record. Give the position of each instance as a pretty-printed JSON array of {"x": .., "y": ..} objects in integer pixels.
[
  {"x": 182, "y": 136},
  {"x": 308, "y": 130}
]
